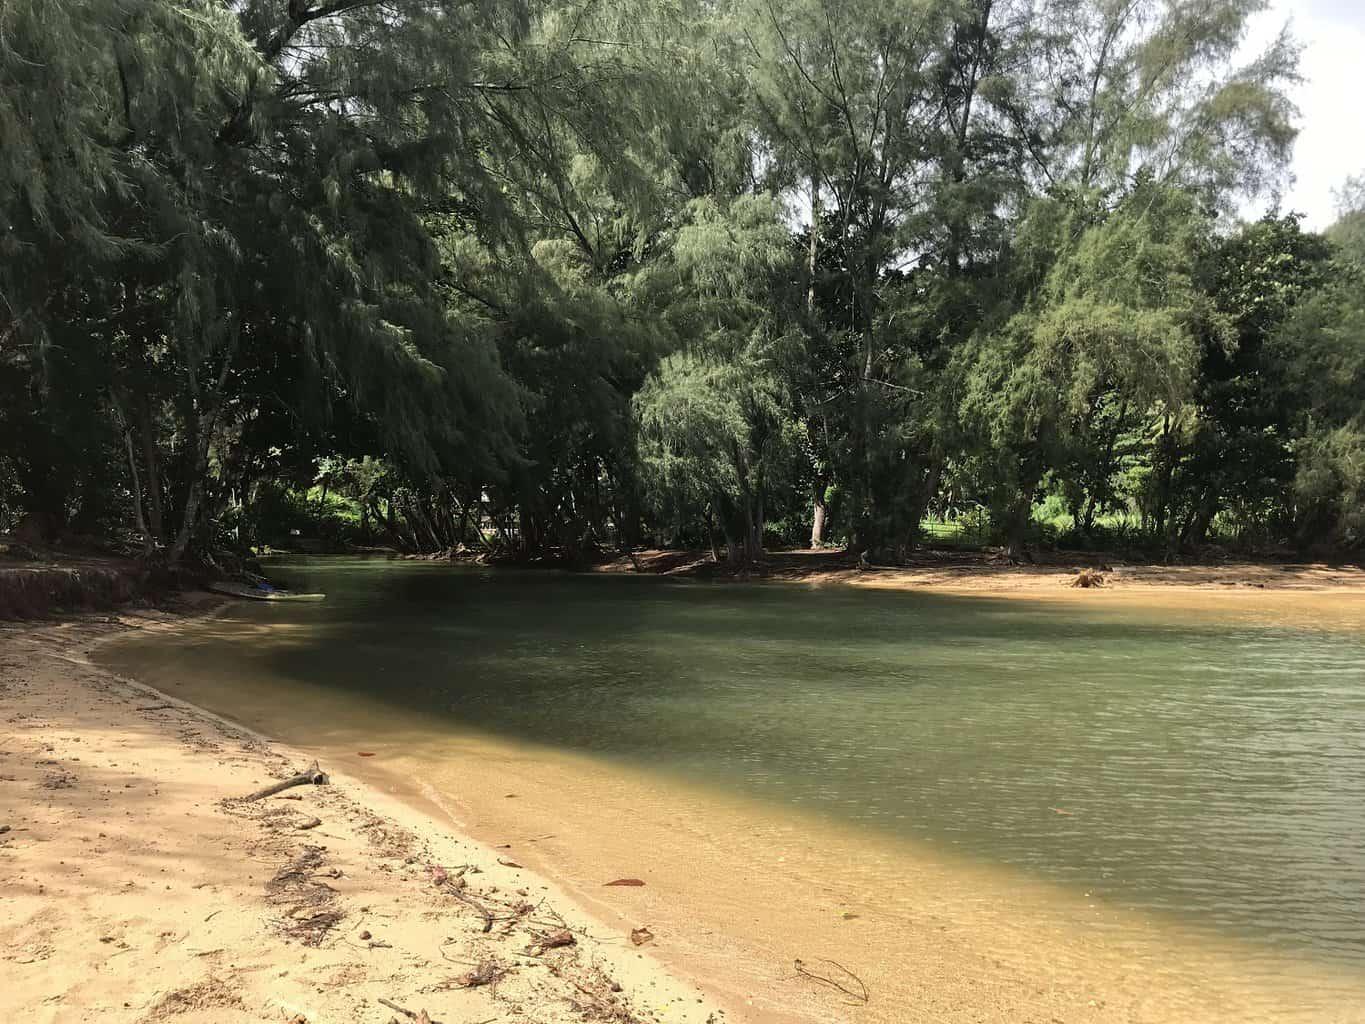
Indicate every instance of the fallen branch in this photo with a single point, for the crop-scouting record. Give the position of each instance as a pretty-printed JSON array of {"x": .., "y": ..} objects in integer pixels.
[
  {"x": 313, "y": 776},
  {"x": 860, "y": 997},
  {"x": 554, "y": 940},
  {"x": 443, "y": 879},
  {"x": 484, "y": 974},
  {"x": 470, "y": 901},
  {"x": 420, "y": 1016}
]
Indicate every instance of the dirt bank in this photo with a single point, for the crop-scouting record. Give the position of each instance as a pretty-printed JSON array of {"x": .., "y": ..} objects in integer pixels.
[
  {"x": 34, "y": 588},
  {"x": 134, "y": 886}
]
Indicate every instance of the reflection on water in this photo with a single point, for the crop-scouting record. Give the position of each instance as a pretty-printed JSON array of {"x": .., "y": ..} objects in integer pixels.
[{"x": 1211, "y": 769}]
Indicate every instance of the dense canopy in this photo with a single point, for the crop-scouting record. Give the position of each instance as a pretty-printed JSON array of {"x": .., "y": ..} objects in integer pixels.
[{"x": 553, "y": 277}]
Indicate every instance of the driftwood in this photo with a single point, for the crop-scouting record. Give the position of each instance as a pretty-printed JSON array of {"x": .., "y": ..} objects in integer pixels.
[{"x": 312, "y": 776}]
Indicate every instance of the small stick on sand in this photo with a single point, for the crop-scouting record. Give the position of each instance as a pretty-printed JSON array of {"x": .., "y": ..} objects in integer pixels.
[
  {"x": 420, "y": 1016},
  {"x": 470, "y": 901},
  {"x": 452, "y": 884},
  {"x": 313, "y": 776},
  {"x": 860, "y": 996}
]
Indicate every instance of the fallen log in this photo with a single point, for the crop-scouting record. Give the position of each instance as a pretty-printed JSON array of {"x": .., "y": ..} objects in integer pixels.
[{"x": 312, "y": 776}]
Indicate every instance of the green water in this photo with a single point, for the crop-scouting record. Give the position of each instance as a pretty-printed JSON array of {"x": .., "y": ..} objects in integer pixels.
[{"x": 1209, "y": 769}]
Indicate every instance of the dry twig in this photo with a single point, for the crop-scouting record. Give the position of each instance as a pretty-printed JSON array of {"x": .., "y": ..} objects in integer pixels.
[
  {"x": 420, "y": 1017},
  {"x": 859, "y": 998}
]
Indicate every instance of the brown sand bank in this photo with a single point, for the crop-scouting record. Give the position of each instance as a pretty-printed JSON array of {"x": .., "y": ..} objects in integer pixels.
[
  {"x": 133, "y": 888},
  {"x": 31, "y": 588}
]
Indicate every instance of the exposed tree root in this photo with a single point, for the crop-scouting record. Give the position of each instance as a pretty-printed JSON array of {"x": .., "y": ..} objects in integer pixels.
[{"x": 1088, "y": 578}]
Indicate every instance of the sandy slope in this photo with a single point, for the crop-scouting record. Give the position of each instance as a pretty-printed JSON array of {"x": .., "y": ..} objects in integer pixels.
[
  {"x": 983, "y": 573},
  {"x": 134, "y": 888}
]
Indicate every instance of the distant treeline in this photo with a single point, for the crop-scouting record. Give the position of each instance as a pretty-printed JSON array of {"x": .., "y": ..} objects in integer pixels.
[{"x": 551, "y": 276}]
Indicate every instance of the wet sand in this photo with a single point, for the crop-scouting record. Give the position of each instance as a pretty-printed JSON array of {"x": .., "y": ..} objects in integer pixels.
[
  {"x": 130, "y": 891},
  {"x": 737, "y": 891}
]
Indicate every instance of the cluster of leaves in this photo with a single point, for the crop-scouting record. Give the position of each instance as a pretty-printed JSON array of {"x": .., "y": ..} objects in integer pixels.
[{"x": 566, "y": 274}]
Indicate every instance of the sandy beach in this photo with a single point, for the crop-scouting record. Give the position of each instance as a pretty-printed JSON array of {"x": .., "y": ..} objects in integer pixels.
[
  {"x": 135, "y": 886},
  {"x": 984, "y": 573}
]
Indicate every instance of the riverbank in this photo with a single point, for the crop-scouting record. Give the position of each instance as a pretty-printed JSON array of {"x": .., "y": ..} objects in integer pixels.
[
  {"x": 31, "y": 587},
  {"x": 738, "y": 886},
  {"x": 135, "y": 885},
  {"x": 981, "y": 572}
]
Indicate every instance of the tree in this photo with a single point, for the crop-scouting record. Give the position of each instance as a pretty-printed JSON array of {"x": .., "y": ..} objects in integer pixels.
[
  {"x": 1115, "y": 318},
  {"x": 718, "y": 434},
  {"x": 1318, "y": 351}
]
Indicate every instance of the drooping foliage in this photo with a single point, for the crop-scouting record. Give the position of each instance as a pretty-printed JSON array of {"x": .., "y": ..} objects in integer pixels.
[{"x": 557, "y": 276}]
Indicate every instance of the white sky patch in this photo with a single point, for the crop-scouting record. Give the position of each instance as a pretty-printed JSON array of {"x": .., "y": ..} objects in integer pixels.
[{"x": 1331, "y": 100}]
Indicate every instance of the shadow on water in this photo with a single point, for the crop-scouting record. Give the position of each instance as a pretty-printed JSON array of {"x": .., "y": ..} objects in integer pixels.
[{"x": 1193, "y": 767}]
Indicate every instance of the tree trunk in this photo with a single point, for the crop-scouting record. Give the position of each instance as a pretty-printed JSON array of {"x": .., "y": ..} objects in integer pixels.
[
  {"x": 187, "y": 521},
  {"x": 151, "y": 456},
  {"x": 460, "y": 531},
  {"x": 1016, "y": 528},
  {"x": 927, "y": 490},
  {"x": 147, "y": 543},
  {"x": 813, "y": 257},
  {"x": 819, "y": 511}
]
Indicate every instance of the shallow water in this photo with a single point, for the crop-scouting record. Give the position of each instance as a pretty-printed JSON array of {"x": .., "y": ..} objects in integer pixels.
[{"x": 1207, "y": 768}]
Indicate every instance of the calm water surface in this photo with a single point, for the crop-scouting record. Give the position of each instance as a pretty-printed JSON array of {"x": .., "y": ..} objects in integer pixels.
[{"x": 1207, "y": 768}]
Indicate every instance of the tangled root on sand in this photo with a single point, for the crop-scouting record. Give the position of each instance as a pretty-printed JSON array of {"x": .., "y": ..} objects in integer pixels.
[{"x": 1088, "y": 578}]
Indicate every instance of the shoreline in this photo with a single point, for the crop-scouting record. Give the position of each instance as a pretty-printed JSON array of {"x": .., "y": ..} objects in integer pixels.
[
  {"x": 965, "y": 571},
  {"x": 78, "y": 585},
  {"x": 736, "y": 891},
  {"x": 136, "y": 888},
  {"x": 733, "y": 892}
]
